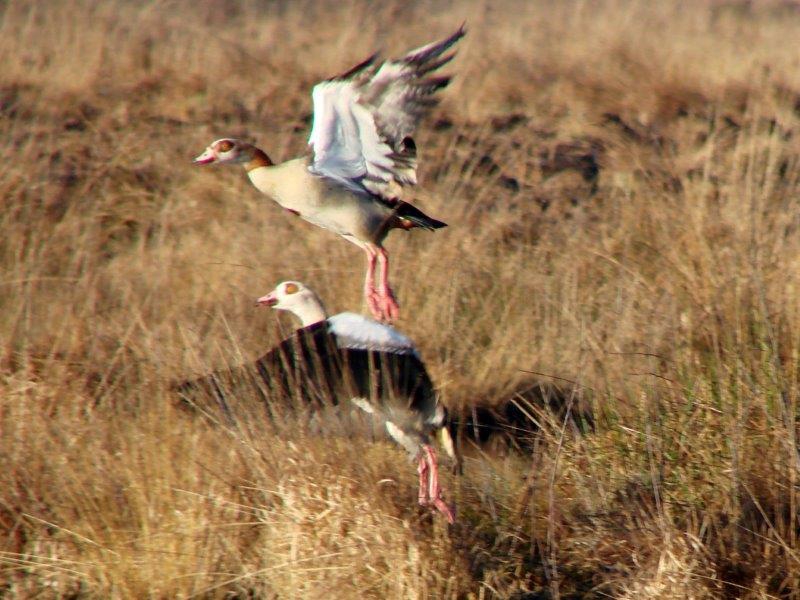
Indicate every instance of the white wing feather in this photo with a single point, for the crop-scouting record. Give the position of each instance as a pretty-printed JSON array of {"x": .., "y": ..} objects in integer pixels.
[
  {"x": 344, "y": 137},
  {"x": 358, "y": 332},
  {"x": 363, "y": 118}
]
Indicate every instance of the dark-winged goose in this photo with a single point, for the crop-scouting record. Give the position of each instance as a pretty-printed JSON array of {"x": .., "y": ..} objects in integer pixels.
[
  {"x": 346, "y": 357},
  {"x": 383, "y": 375}
]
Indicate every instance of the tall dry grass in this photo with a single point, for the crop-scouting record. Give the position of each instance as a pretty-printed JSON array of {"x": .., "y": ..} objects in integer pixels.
[{"x": 621, "y": 183}]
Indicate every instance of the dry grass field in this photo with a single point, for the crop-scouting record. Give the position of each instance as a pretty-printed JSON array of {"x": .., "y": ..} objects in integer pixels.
[{"x": 621, "y": 180}]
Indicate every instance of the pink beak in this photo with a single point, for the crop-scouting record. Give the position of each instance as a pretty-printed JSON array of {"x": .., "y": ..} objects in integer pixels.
[
  {"x": 269, "y": 300},
  {"x": 207, "y": 157}
]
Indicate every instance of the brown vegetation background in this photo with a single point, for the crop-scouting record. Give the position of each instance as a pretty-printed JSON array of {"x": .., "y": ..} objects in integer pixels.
[{"x": 621, "y": 182}]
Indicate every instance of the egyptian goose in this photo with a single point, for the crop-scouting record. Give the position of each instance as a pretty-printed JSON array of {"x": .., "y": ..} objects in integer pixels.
[
  {"x": 362, "y": 156},
  {"x": 339, "y": 358}
]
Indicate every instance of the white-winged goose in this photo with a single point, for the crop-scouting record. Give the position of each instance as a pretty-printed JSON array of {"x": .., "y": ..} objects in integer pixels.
[{"x": 361, "y": 157}]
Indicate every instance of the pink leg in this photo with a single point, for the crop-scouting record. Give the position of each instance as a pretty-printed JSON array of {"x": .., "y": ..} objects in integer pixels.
[
  {"x": 389, "y": 306},
  {"x": 370, "y": 293},
  {"x": 422, "y": 469},
  {"x": 433, "y": 491}
]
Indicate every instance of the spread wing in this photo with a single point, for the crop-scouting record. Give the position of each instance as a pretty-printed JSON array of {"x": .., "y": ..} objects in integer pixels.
[
  {"x": 357, "y": 332},
  {"x": 363, "y": 119}
]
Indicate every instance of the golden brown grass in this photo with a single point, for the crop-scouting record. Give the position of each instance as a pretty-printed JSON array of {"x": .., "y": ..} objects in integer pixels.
[{"x": 621, "y": 180}]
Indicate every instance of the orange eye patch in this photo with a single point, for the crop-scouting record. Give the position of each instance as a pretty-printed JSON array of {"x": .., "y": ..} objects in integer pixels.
[
  {"x": 224, "y": 146},
  {"x": 291, "y": 288}
]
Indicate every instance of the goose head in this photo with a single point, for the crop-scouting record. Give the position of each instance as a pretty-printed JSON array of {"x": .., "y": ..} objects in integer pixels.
[
  {"x": 297, "y": 299},
  {"x": 227, "y": 150}
]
